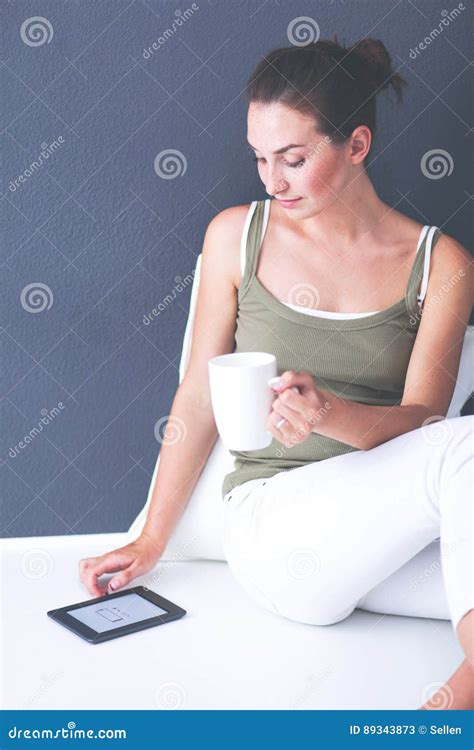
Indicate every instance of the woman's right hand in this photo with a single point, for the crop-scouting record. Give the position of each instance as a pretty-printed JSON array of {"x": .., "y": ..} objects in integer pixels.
[{"x": 130, "y": 561}]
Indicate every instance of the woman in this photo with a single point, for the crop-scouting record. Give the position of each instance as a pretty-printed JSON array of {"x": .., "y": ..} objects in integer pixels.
[{"x": 357, "y": 479}]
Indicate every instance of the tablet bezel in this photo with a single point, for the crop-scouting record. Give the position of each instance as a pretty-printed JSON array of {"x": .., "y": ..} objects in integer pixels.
[{"x": 61, "y": 615}]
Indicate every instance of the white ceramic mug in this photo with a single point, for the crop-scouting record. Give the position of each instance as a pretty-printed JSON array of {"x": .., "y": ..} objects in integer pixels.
[{"x": 242, "y": 397}]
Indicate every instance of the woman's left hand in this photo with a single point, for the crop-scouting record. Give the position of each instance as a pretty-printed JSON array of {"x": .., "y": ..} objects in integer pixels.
[{"x": 298, "y": 407}]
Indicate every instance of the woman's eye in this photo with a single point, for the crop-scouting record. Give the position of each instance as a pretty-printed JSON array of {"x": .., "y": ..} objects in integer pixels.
[{"x": 258, "y": 159}]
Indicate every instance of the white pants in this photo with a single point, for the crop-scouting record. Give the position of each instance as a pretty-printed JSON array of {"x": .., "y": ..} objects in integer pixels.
[{"x": 309, "y": 543}]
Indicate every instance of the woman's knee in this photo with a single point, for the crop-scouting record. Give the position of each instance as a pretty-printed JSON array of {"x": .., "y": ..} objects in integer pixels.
[
  {"x": 298, "y": 601},
  {"x": 458, "y": 436},
  {"x": 312, "y": 611}
]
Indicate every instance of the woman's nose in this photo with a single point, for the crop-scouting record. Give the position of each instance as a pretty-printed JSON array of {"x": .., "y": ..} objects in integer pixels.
[{"x": 275, "y": 183}]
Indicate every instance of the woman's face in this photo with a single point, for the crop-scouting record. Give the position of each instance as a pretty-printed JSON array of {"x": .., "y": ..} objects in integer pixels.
[{"x": 313, "y": 170}]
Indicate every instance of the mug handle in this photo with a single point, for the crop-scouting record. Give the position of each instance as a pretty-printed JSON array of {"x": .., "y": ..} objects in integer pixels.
[{"x": 272, "y": 381}]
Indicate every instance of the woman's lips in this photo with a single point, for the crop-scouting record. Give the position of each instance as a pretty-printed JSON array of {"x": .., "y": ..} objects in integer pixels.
[{"x": 288, "y": 203}]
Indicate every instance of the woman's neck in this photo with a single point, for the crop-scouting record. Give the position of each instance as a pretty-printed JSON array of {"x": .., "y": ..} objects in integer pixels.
[{"x": 354, "y": 217}]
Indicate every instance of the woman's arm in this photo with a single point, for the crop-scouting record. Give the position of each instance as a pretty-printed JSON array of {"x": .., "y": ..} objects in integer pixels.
[
  {"x": 191, "y": 430},
  {"x": 432, "y": 371},
  {"x": 182, "y": 462}
]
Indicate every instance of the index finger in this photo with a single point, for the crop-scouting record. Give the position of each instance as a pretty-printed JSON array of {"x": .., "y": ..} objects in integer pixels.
[
  {"x": 109, "y": 563},
  {"x": 289, "y": 400}
]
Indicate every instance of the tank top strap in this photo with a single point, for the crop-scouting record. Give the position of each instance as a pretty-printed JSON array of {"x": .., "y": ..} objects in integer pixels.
[
  {"x": 252, "y": 235},
  {"x": 418, "y": 279}
]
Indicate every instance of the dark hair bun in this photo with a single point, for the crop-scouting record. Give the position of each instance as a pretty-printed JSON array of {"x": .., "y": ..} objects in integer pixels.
[
  {"x": 372, "y": 53},
  {"x": 335, "y": 84}
]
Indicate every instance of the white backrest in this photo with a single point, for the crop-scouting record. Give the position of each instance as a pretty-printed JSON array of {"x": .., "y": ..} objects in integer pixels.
[{"x": 188, "y": 333}]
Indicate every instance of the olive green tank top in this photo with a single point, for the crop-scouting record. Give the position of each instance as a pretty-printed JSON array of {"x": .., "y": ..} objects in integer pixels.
[{"x": 362, "y": 359}]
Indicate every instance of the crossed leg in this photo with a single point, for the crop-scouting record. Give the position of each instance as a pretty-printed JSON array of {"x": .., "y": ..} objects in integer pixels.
[{"x": 309, "y": 543}]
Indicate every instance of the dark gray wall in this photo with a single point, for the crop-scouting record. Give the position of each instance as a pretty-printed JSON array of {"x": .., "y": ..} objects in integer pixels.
[{"x": 109, "y": 238}]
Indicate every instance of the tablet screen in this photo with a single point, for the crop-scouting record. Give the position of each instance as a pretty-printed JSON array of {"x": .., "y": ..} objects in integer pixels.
[{"x": 122, "y": 610}]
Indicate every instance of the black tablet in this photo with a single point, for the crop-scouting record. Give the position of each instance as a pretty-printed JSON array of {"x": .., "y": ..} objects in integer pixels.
[{"x": 113, "y": 615}]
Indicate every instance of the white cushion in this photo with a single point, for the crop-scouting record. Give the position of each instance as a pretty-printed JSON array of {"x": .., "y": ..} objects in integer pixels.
[
  {"x": 272, "y": 662},
  {"x": 465, "y": 379},
  {"x": 197, "y": 535}
]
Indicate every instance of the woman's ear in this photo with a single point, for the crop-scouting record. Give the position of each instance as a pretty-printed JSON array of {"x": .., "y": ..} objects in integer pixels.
[{"x": 361, "y": 140}]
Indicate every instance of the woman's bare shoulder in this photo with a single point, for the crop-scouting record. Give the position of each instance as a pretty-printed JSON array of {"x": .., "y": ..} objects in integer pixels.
[
  {"x": 232, "y": 219},
  {"x": 227, "y": 227},
  {"x": 401, "y": 229},
  {"x": 399, "y": 235},
  {"x": 408, "y": 231}
]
